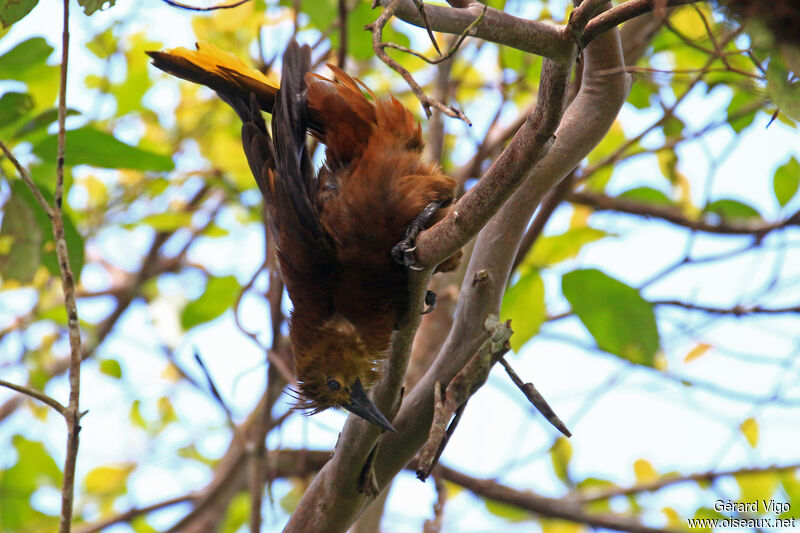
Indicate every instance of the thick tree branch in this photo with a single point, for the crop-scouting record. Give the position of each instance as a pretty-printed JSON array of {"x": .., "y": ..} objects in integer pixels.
[
  {"x": 498, "y": 27},
  {"x": 622, "y": 13},
  {"x": 583, "y": 126},
  {"x": 325, "y": 509}
]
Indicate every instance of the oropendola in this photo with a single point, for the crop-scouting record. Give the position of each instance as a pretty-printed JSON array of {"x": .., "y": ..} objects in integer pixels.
[{"x": 345, "y": 233}]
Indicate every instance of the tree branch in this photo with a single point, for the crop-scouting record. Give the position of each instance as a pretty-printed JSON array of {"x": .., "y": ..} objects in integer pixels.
[
  {"x": 550, "y": 507},
  {"x": 602, "y": 202},
  {"x": 33, "y": 393}
]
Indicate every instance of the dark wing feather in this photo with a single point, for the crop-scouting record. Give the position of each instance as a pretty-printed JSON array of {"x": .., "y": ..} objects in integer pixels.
[{"x": 306, "y": 251}]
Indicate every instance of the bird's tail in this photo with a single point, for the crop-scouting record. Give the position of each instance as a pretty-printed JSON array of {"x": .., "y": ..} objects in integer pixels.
[{"x": 219, "y": 70}]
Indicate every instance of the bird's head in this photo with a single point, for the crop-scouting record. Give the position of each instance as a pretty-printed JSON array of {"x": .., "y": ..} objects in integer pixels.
[{"x": 334, "y": 369}]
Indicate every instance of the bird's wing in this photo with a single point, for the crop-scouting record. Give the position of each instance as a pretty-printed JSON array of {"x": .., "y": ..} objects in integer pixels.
[
  {"x": 281, "y": 168},
  {"x": 307, "y": 254},
  {"x": 217, "y": 69}
]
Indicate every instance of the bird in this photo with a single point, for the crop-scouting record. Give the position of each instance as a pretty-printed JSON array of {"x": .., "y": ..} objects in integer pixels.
[{"x": 344, "y": 233}]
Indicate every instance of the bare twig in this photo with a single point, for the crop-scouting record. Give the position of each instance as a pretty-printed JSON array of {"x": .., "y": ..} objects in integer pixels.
[
  {"x": 427, "y": 102},
  {"x": 604, "y": 494},
  {"x": 421, "y": 10},
  {"x": 450, "y": 52},
  {"x": 26, "y": 177},
  {"x": 450, "y": 400},
  {"x": 72, "y": 413},
  {"x": 552, "y": 507},
  {"x": 33, "y": 393},
  {"x": 536, "y": 399},
  {"x": 601, "y": 202},
  {"x": 621, "y": 13},
  {"x": 209, "y": 8}
]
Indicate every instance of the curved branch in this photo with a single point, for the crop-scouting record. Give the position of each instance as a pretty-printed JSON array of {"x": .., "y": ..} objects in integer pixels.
[
  {"x": 583, "y": 126},
  {"x": 333, "y": 500},
  {"x": 498, "y": 27}
]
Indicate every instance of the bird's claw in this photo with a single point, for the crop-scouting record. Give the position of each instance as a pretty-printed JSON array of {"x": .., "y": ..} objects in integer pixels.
[
  {"x": 404, "y": 252},
  {"x": 430, "y": 301}
]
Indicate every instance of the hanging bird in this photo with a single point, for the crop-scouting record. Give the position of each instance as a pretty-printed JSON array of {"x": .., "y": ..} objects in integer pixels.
[{"x": 345, "y": 234}]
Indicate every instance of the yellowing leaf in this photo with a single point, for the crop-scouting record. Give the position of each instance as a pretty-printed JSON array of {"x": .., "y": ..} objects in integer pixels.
[
  {"x": 580, "y": 216},
  {"x": 756, "y": 486},
  {"x": 689, "y": 22},
  {"x": 560, "y": 455},
  {"x": 749, "y": 429},
  {"x": 674, "y": 520},
  {"x": 105, "y": 480},
  {"x": 697, "y": 352},
  {"x": 645, "y": 471},
  {"x": 561, "y": 526}
]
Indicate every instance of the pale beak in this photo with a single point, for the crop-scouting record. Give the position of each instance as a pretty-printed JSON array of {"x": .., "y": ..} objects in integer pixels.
[{"x": 362, "y": 406}]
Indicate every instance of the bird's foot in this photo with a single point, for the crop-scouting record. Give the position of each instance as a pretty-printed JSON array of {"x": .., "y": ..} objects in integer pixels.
[
  {"x": 430, "y": 301},
  {"x": 404, "y": 252}
]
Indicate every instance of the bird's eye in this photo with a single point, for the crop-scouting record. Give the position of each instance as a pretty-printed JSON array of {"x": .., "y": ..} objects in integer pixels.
[{"x": 334, "y": 385}]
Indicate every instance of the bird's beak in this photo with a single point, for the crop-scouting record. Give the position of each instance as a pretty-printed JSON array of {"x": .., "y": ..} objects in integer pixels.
[{"x": 362, "y": 406}]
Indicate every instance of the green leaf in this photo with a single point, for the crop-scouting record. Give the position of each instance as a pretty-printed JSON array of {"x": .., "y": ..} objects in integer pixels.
[
  {"x": 524, "y": 304},
  {"x": 167, "y": 221},
  {"x": 103, "y": 44},
  {"x": 14, "y": 106},
  {"x": 73, "y": 239},
  {"x": 552, "y": 249},
  {"x": 219, "y": 295},
  {"x": 647, "y": 195},
  {"x": 742, "y": 100},
  {"x": 786, "y": 181},
  {"x": 22, "y": 238},
  {"x": 237, "y": 513},
  {"x": 782, "y": 91},
  {"x": 88, "y": 146},
  {"x": 619, "y": 319},
  {"x": 728, "y": 209},
  {"x": 90, "y": 6},
  {"x": 12, "y": 11},
  {"x": 34, "y": 468},
  {"x": 111, "y": 367},
  {"x": 15, "y": 62},
  {"x": 507, "y": 511},
  {"x": 39, "y": 123}
]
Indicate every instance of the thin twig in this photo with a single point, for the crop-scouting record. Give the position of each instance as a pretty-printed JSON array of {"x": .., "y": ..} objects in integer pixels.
[
  {"x": 72, "y": 414},
  {"x": 33, "y": 393},
  {"x": 210, "y": 8},
  {"x": 421, "y": 9},
  {"x": 26, "y": 177},
  {"x": 536, "y": 399},
  {"x": 450, "y": 52},
  {"x": 214, "y": 390},
  {"x": 427, "y": 102}
]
